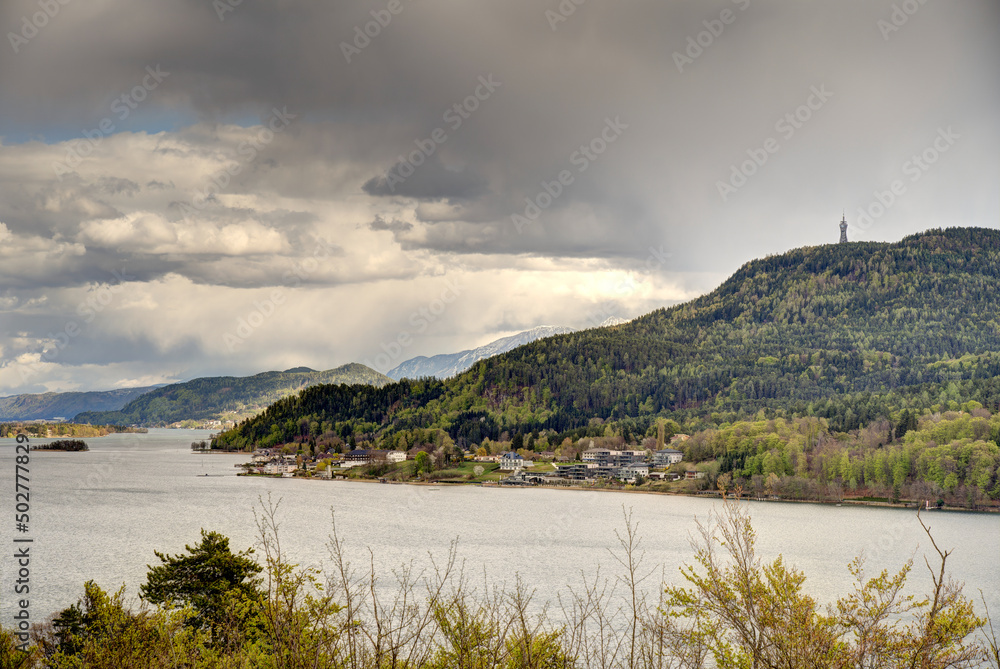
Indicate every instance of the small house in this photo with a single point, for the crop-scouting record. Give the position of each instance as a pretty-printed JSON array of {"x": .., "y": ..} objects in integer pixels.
[
  {"x": 511, "y": 461},
  {"x": 364, "y": 456}
]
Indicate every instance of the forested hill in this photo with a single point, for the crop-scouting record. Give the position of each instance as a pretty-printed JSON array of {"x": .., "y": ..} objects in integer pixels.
[
  {"x": 226, "y": 397},
  {"x": 49, "y": 406},
  {"x": 850, "y": 332}
]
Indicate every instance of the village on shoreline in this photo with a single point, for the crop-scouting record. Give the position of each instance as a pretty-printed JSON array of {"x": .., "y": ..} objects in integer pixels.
[
  {"x": 627, "y": 466},
  {"x": 660, "y": 472}
]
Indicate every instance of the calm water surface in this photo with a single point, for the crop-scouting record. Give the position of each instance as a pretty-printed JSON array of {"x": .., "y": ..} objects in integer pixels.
[{"x": 100, "y": 515}]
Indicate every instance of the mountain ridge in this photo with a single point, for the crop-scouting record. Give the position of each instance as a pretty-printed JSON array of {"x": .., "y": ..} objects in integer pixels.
[
  {"x": 847, "y": 332},
  {"x": 446, "y": 365},
  {"x": 59, "y": 406},
  {"x": 223, "y": 398}
]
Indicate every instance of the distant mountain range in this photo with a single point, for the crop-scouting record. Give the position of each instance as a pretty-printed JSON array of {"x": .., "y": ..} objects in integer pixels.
[
  {"x": 446, "y": 365},
  {"x": 225, "y": 398},
  {"x": 230, "y": 398},
  {"x": 60, "y": 406}
]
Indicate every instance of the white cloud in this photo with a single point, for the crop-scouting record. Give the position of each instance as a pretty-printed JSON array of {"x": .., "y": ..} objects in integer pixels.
[{"x": 148, "y": 232}]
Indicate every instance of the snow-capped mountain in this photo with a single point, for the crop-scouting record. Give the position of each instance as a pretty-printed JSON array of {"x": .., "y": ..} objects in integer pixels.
[
  {"x": 449, "y": 364},
  {"x": 613, "y": 320}
]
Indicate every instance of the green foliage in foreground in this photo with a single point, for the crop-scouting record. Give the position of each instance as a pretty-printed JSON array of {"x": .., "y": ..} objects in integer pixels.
[
  {"x": 208, "y": 578},
  {"x": 735, "y": 610}
]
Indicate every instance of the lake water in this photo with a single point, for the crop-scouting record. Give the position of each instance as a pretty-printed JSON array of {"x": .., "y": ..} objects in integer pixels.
[{"x": 100, "y": 515}]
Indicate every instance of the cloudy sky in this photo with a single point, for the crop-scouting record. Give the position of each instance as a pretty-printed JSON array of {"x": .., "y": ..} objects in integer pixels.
[{"x": 202, "y": 187}]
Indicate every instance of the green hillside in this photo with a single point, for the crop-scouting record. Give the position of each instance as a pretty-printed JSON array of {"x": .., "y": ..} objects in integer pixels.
[
  {"x": 49, "y": 406},
  {"x": 863, "y": 369},
  {"x": 226, "y": 397},
  {"x": 850, "y": 333}
]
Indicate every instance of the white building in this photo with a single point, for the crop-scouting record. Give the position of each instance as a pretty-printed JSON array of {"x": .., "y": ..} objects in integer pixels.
[
  {"x": 598, "y": 456},
  {"x": 667, "y": 457},
  {"x": 605, "y": 457},
  {"x": 280, "y": 467},
  {"x": 630, "y": 473},
  {"x": 510, "y": 461},
  {"x": 263, "y": 455}
]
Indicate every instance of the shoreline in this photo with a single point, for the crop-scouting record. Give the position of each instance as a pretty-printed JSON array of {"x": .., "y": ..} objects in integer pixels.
[
  {"x": 708, "y": 495},
  {"x": 785, "y": 500}
]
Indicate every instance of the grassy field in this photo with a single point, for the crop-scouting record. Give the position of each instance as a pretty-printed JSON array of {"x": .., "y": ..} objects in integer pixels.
[
  {"x": 471, "y": 471},
  {"x": 465, "y": 472}
]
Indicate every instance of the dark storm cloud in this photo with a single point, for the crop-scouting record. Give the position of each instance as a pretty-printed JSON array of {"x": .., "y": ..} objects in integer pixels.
[
  {"x": 394, "y": 225},
  {"x": 429, "y": 181},
  {"x": 117, "y": 186},
  {"x": 61, "y": 267},
  {"x": 559, "y": 82},
  {"x": 54, "y": 207}
]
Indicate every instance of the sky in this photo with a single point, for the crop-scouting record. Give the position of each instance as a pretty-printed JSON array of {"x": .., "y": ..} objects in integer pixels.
[{"x": 203, "y": 187}]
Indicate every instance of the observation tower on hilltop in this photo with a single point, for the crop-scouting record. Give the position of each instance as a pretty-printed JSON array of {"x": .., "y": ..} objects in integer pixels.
[{"x": 843, "y": 229}]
